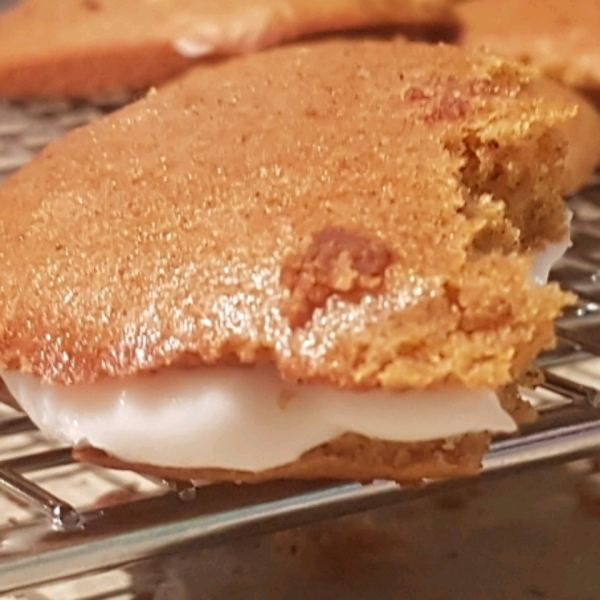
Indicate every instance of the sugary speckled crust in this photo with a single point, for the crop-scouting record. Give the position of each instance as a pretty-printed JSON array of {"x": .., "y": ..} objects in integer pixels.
[
  {"x": 85, "y": 48},
  {"x": 558, "y": 36},
  {"x": 159, "y": 235}
]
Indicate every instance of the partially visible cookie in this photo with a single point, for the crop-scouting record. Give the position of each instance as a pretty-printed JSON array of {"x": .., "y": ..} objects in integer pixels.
[
  {"x": 561, "y": 37},
  {"x": 583, "y": 137},
  {"x": 88, "y": 47}
]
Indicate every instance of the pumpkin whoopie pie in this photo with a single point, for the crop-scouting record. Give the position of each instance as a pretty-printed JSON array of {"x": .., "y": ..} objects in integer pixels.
[{"x": 323, "y": 260}]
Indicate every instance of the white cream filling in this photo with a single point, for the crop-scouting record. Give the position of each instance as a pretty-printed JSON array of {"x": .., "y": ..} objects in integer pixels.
[
  {"x": 189, "y": 48},
  {"x": 544, "y": 261},
  {"x": 235, "y": 418},
  {"x": 242, "y": 418}
]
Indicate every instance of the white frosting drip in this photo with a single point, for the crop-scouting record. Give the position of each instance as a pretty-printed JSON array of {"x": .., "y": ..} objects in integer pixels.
[
  {"x": 244, "y": 30},
  {"x": 543, "y": 261},
  {"x": 233, "y": 417},
  {"x": 192, "y": 48}
]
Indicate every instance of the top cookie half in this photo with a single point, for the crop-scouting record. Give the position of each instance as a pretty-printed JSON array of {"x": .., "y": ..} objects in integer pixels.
[{"x": 362, "y": 213}]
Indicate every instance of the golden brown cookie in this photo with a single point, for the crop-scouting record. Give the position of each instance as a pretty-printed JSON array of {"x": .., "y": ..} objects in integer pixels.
[
  {"x": 561, "y": 39},
  {"x": 357, "y": 214},
  {"x": 90, "y": 47},
  {"x": 583, "y": 137}
]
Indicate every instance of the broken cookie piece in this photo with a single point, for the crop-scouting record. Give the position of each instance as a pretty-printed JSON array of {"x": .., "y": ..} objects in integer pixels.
[{"x": 324, "y": 260}]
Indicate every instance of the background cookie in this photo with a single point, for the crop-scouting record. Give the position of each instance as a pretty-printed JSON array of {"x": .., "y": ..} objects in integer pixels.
[
  {"x": 561, "y": 37},
  {"x": 90, "y": 47},
  {"x": 583, "y": 137}
]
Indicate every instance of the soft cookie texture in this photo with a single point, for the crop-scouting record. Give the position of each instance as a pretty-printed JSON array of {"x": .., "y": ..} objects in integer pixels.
[
  {"x": 350, "y": 456},
  {"x": 561, "y": 39},
  {"x": 93, "y": 47},
  {"x": 583, "y": 138},
  {"x": 359, "y": 213}
]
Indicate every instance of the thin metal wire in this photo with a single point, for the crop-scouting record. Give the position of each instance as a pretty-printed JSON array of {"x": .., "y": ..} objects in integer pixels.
[
  {"x": 38, "y": 461},
  {"x": 15, "y": 426},
  {"x": 576, "y": 392},
  {"x": 62, "y": 515}
]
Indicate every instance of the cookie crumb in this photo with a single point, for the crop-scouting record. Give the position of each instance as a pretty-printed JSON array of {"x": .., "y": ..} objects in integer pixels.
[{"x": 337, "y": 261}]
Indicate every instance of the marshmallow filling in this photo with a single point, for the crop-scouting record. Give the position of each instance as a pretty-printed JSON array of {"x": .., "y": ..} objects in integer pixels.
[{"x": 240, "y": 418}]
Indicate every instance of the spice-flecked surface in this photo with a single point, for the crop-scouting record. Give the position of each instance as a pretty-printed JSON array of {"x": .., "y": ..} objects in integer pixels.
[{"x": 159, "y": 235}]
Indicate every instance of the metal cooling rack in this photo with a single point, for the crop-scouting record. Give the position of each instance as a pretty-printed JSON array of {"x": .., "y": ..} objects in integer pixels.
[{"x": 55, "y": 539}]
